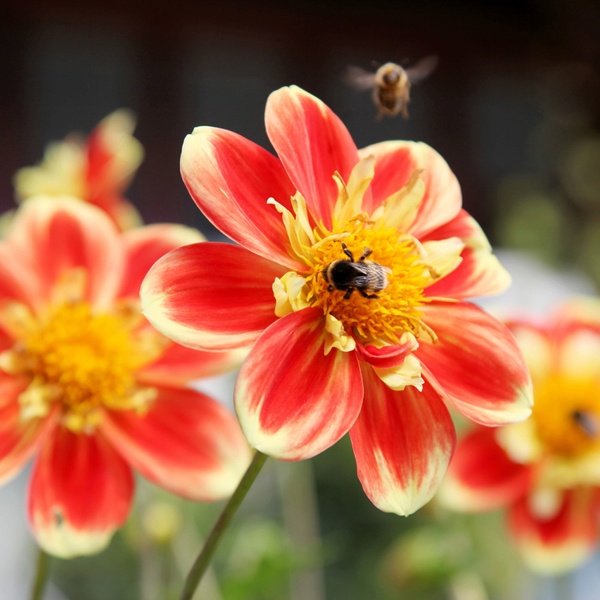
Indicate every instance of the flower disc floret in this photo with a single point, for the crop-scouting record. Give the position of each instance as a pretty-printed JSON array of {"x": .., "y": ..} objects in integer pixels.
[{"x": 84, "y": 361}]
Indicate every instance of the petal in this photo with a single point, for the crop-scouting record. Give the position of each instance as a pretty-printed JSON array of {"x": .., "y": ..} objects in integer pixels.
[
  {"x": 60, "y": 235},
  {"x": 230, "y": 179},
  {"x": 145, "y": 245},
  {"x": 113, "y": 156},
  {"x": 396, "y": 161},
  {"x": 403, "y": 442},
  {"x": 179, "y": 365},
  {"x": 482, "y": 476},
  {"x": 562, "y": 542},
  {"x": 387, "y": 356},
  {"x": 293, "y": 400},
  {"x": 18, "y": 280},
  {"x": 313, "y": 144},
  {"x": 211, "y": 296},
  {"x": 80, "y": 492},
  {"x": 476, "y": 363},
  {"x": 537, "y": 346},
  {"x": 186, "y": 443},
  {"x": 480, "y": 272},
  {"x": 19, "y": 440}
]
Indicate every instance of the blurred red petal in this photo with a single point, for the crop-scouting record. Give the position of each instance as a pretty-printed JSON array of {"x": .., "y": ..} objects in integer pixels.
[
  {"x": 80, "y": 492},
  {"x": 482, "y": 476},
  {"x": 186, "y": 443},
  {"x": 562, "y": 542}
]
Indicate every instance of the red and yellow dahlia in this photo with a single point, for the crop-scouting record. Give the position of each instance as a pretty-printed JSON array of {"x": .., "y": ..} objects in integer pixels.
[
  {"x": 546, "y": 470},
  {"x": 379, "y": 361},
  {"x": 89, "y": 387},
  {"x": 96, "y": 170}
]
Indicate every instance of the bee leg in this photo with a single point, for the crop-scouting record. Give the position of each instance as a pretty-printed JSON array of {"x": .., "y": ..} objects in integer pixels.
[
  {"x": 365, "y": 295},
  {"x": 349, "y": 293},
  {"x": 366, "y": 253},
  {"x": 347, "y": 252},
  {"x": 330, "y": 288}
]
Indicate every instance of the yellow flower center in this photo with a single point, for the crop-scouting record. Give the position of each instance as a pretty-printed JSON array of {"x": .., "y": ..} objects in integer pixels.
[
  {"x": 366, "y": 273},
  {"x": 370, "y": 314},
  {"x": 566, "y": 415},
  {"x": 85, "y": 361}
]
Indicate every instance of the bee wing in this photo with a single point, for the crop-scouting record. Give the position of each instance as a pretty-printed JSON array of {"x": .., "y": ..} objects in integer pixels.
[
  {"x": 422, "y": 69},
  {"x": 358, "y": 78}
]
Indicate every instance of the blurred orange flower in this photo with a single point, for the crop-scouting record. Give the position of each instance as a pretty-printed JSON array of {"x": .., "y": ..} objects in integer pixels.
[
  {"x": 546, "y": 470},
  {"x": 89, "y": 387},
  {"x": 96, "y": 170}
]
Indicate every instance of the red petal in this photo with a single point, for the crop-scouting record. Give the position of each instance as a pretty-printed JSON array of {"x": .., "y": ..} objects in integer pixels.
[
  {"x": 562, "y": 542},
  {"x": 403, "y": 442},
  {"x": 187, "y": 443},
  {"x": 476, "y": 363},
  {"x": 211, "y": 296},
  {"x": 482, "y": 476},
  {"x": 230, "y": 178},
  {"x": 18, "y": 280},
  {"x": 480, "y": 273},
  {"x": 313, "y": 144},
  {"x": 56, "y": 235},
  {"x": 145, "y": 245},
  {"x": 385, "y": 357},
  {"x": 19, "y": 439},
  {"x": 395, "y": 163},
  {"x": 292, "y": 400},
  {"x": 80, "y": 492},
  {"x": 180, "y": 365}
]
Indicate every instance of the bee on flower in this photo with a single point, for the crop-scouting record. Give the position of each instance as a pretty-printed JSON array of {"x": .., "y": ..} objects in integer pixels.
[
  {"x": 338, "y": 344},
  {"x": 546, "y": 470},
  {"x": 96, "y": 170},
  {"x": 89, "y": 389}
]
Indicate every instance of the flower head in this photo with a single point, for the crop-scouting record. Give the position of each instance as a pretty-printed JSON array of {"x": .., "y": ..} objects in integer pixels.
[
  {"x": 96, "y": 170},
  {"x": 89, "y": 387},
  {"x": 349, "y": 279},
  {"x": 546, "y": 470}
]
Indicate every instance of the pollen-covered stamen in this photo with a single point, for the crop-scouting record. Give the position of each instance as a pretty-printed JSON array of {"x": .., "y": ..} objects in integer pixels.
[
  {"x": 84, "y": 361},
  {"x": 566, "y": 416},
  {"x": 382, "y": 313}
]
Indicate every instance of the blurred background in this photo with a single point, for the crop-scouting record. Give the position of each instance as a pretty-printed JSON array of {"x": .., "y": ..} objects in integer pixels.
[{"x": 513, "y": 106}]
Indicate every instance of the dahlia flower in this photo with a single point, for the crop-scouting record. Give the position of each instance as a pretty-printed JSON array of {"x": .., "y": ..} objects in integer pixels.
[
  {"x": 96, "y": 170},
  {"x": 89, "y": 387},
  {"x": 376, "y": 344},
  {"x": 546, "y": 470}
]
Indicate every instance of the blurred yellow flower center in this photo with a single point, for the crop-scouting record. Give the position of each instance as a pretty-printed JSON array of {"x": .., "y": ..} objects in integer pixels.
[
  {"x": 375, "y": 315},
  {"x": 84, "y": 361},
  {"x": 566, "y": 415}
]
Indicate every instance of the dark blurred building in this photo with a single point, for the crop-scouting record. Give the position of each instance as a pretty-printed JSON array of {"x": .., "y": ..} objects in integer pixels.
[{"x": 181, "y": 63}]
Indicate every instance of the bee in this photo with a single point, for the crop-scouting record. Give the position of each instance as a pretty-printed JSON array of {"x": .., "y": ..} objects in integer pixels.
[
  {"x": 349, "y": 275},
  {"x": 588, "y": 422},
  {"x": 391, "y": 84}
]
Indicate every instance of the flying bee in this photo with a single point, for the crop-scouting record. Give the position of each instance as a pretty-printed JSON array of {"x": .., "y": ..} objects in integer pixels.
[
  {"x": 349, "y": 275},
  {"x": 391, "y": 84}
]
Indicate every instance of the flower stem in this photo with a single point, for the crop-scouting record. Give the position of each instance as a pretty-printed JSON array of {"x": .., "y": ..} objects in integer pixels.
[
  {"x": 41, "y": 575},
  {"x": 202, "y": 561}
]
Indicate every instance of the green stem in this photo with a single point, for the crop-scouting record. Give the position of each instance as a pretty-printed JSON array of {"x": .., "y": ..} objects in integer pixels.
[
  {"x": 210, "y": 545},
  {"x": 41, "y": 575}
]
